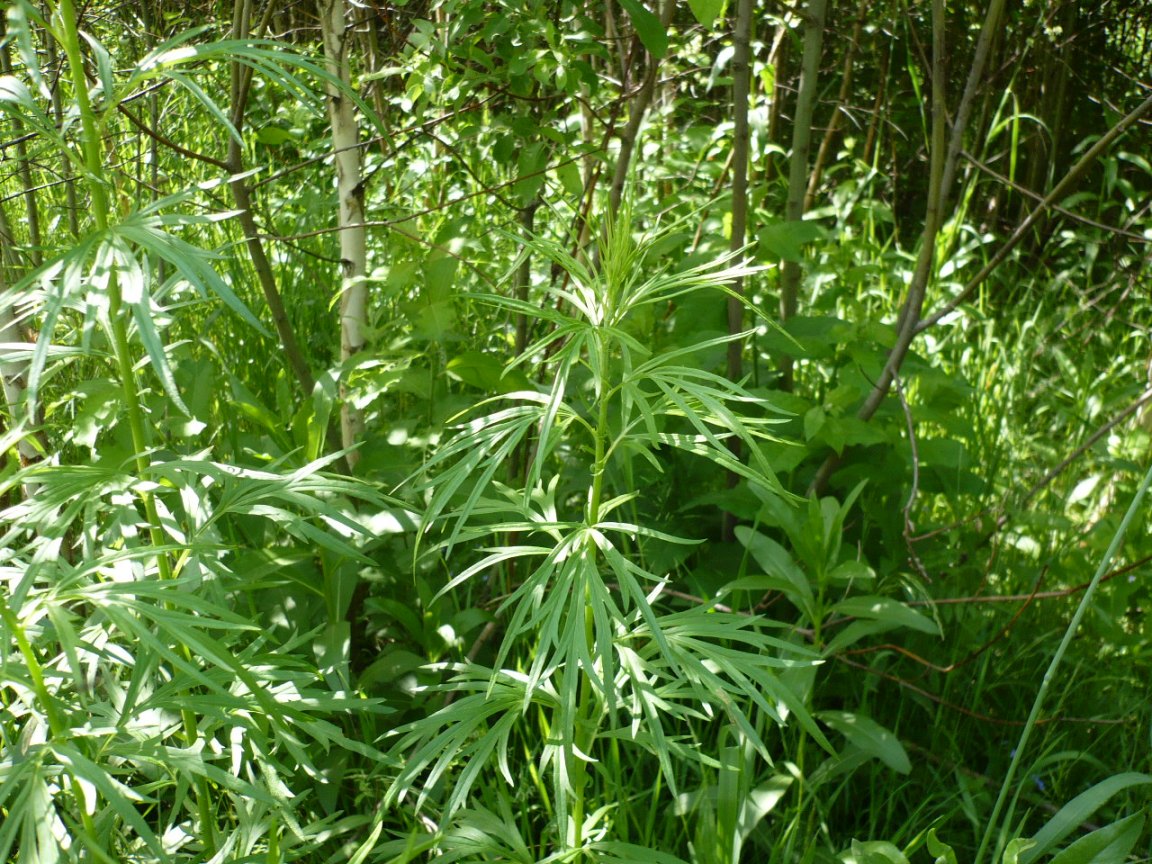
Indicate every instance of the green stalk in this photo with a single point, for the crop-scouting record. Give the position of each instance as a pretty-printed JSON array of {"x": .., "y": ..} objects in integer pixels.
[
  {"x": 1050, "y": 675},
  {"x": 56, "y": 726},
  {"x": 584, "y": 735},
  {"x": 97, "y": 185},
  {"x": 586, "y": 707},
  {"x": 35, "y": 670}
]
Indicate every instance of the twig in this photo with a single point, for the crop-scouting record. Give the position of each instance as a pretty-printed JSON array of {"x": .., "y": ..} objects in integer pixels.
[
  {"x": 169, "y": 143},
  {"x": 1038, "y": 595},
  {"x": 945, "y": 151},
  {"x": 968, "y": 712},
  {"x": 1083, "y": 448},
  {"x": 1036, "y": 196},
  {"x": 388, "y": 223},
  {"x": 1058, "y": 192}
]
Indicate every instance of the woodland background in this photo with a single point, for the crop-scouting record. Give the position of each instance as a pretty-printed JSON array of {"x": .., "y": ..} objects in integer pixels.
[{"x": 543, "y": 430}]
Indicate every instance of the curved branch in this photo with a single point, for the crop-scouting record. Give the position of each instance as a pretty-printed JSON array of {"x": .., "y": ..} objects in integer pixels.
[
  {"x": 943, "y": 170},
  {"x": 1048, "y": 203}
]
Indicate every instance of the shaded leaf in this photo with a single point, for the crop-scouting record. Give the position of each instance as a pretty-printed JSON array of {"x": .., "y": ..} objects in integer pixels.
[
  {"x": 786, "y": 240},
  {"x": 706, "y": 11},
  {"x": 1079, "y": 810},
  {"x": 648, "y": 28},
  {"x": 943, "y": 852},
  {"x": 873, "y": 852},
  {"x": 869, "y": 736},
  {"x": 887, "y": 611},
  {"x": 1106, "y": 845}
]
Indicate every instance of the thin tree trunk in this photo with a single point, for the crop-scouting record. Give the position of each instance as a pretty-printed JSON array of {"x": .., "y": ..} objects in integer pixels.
[
  {"x": 741, "y": 89},
  {"x": 944, "y": 156},
  {"x": 12, "y": 373},
  {"x": 65, "y": 168},
  {"x": 241, "y": 77},
  {"x": 350, "y": 193},
  {"x": 878, "y": 106},
  {"x": 798, "y": 163},
  {"x": 612, "y": 33},
  {"x": 778, "y": 60},
  {"x": 838, "y": 109},
  {"x": 23, "y": 169},
  {"x": 524, "y": 276},
  {"x": 636, "y": 111}
]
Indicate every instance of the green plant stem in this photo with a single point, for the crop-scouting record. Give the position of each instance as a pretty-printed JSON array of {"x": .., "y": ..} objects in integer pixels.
[
  {"x": 56, "y": 725},
  {"x": 599, "y": 460},
  {"x": 584, "y": 733},
  {"x": 1050, "y": 674},
  {"x": 790, "y": 272},
  {"x": 97, "y": 185},
  {"x": 585, "y": 721},
  {"x": 35, "y": 671}
]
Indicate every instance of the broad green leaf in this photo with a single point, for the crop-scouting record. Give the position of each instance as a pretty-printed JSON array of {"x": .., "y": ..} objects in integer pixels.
[
  {"x": 648, "y": 27},
  {"x": 706, "y": 11},
  {"x": 273, "y": 136},
  {"x": 851, "y": 572},
  {"x": 873, "y": 852},
  {"x": 256, "y": 412},
  {"x": 763, "y": 800},
  {"x": 390, "y": 666},
  {"x": 332, "y": 649},
  {"x": 839, "y": 432},
  {"x": 943, "y": 852},
  {"x": 531, "y": 167},
  {"x": 1015, "y": 849},
  {"x": 98, "y": 410},
  {"x": 854, "y": 632},
  {"x": 887, "y": 611},
  {"x": 869, "y": 736},
  {"x": 778, "y": 562},
  {"x": 487, "y": 372},
  {"x": 434, "y": 322},
  {"x": 1106, "y": 845},
  {"x": 811, "y": 337},
  {"x": 618, "y": 852},
  {"x": 570, "y": 179},
  {"x": 944, "y": 453},
  {"x": 786, "y": 240},
  {"x": 1079, "y": 810},
  {"x": 814, "y": 421}
]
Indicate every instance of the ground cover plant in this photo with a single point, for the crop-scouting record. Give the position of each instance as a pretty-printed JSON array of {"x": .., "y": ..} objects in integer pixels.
[{"x": 469, "y": 431}]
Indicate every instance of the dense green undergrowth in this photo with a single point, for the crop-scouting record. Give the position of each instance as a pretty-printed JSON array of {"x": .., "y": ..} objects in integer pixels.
[{"x": 583, "y": 595}]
